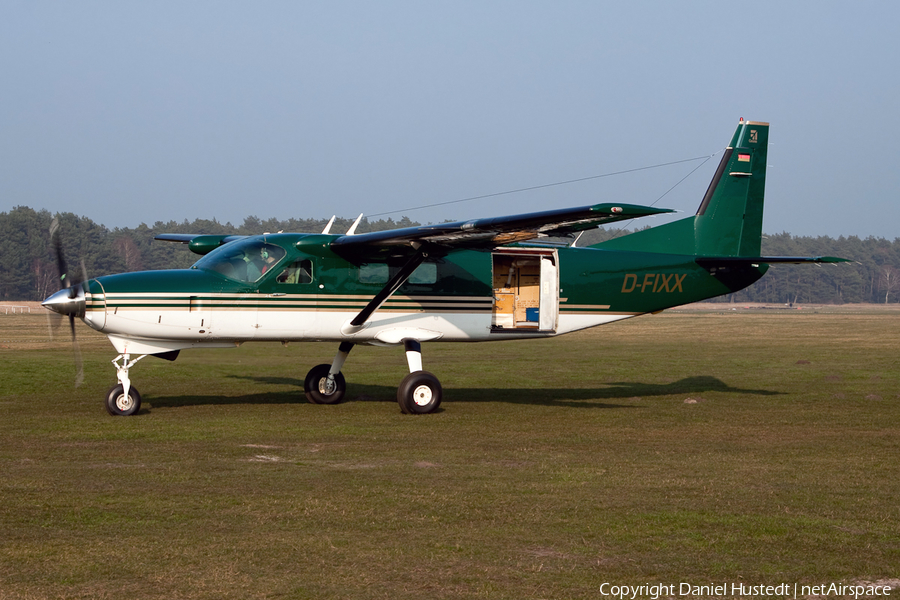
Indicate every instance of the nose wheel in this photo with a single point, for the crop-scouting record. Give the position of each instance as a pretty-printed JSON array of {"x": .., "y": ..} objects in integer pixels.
[
  {"x": 123, "y": 400},
  {"x": 120, "y": 403}
]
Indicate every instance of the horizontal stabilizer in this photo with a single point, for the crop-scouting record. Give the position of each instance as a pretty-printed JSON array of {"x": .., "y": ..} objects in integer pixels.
[{"x": 735, "y": 261}]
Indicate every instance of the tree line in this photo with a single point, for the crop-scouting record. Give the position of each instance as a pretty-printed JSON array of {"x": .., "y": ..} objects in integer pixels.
[
  {"x": 28, "y": 264},
  {"x": 28, "y": 268}
]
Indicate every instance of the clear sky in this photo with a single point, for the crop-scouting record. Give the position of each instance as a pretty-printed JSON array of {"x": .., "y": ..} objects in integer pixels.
[{"x": 130, "y": 112}]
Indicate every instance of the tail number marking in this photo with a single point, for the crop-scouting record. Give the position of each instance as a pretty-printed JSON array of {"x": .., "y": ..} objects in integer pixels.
[{"x": 653, "y": 282}]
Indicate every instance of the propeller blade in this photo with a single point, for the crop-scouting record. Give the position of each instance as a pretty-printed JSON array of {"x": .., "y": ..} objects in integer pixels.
[
  {"x": 58, "y": 303},
  {"x": 79, "y": 367},
  {"x": 57, "y": 246},
  {"x": 74, "y": 283}
]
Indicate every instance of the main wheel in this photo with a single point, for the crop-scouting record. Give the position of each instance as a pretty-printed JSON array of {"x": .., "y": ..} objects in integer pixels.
[
  {"x": 120, "y": 405},
  {"x": 317, "y": 388},
  {"x": 419, "y": 393}
]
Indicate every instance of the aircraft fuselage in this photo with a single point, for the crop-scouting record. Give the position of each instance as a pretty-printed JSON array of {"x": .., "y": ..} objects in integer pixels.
[{"x": 464, "y": 295}]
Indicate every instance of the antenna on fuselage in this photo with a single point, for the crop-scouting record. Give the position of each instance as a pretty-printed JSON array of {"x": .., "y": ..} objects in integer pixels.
[
  {"x": 330, "y": 223},
  {"x": 352, "y": 230}
]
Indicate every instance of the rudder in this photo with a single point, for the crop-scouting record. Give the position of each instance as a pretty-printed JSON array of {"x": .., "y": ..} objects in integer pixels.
[{"x": 729, "y": 220}]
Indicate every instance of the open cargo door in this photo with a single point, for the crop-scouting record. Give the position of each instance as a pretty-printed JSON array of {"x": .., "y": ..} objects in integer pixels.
[{"x": 526, "y": 290}]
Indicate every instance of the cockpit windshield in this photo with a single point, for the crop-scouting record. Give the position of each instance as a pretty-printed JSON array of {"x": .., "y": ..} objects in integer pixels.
[{"x": 243, "y": 260}]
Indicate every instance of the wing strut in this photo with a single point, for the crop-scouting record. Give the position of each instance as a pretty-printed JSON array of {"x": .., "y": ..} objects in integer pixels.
[{"x": 389, "y": 288}]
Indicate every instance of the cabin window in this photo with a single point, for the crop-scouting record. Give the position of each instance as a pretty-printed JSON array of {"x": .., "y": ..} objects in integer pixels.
[
  {"x": 373, "y": 273},
  {"x": 425, "y": 274},
  {"x": 299, "y": 271}
]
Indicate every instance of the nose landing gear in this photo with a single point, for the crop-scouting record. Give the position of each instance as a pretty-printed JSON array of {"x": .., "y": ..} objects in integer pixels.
[{"x": 123, "y": 400}]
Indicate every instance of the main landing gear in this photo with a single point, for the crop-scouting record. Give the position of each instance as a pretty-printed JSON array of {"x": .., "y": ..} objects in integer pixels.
[
  {"x": 419, "y": 393},
  {"x": 324, "y": 383}
]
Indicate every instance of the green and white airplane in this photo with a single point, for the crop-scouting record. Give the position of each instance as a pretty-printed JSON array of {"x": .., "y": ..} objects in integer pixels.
[{"x": 470, "y": 281}]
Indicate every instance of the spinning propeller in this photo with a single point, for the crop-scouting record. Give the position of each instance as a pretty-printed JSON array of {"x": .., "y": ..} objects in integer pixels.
[{"x": 69, "y": 300}]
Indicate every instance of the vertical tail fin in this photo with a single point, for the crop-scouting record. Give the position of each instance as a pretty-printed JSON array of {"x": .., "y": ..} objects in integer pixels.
[{"x": 729, "y": 220}]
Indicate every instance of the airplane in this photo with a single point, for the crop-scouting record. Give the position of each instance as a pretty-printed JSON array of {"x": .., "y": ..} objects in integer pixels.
[{"x": 486, "y": 279}]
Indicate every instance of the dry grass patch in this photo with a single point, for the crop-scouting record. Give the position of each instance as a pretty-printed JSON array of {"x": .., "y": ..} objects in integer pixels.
[{"x": 555, "y": 465}]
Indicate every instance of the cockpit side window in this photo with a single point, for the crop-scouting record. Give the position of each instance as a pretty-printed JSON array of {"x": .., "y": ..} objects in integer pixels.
[{"x": 299, "y": 271}]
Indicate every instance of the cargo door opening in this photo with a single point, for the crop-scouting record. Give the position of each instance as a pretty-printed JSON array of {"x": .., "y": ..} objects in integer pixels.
[{"x": 525, "y": 289}]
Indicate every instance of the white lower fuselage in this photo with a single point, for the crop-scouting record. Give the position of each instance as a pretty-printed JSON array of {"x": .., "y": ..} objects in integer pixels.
[{"x": 136, "y": 325}]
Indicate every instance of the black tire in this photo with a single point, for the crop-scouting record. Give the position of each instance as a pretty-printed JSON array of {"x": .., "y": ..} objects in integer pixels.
[
  {"x": 118, "y": 405},
  {"x": 419, "y": 393},
  {"x": 314, "y": 386}
]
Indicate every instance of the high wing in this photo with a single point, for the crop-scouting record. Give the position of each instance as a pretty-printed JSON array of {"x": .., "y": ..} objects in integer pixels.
[
  {"x": 494, "y": 231},
  {"x": 476, "y": 233}
]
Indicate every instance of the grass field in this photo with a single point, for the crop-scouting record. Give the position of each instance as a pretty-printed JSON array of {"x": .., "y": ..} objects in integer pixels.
[{"x": 694, "y": 446}]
